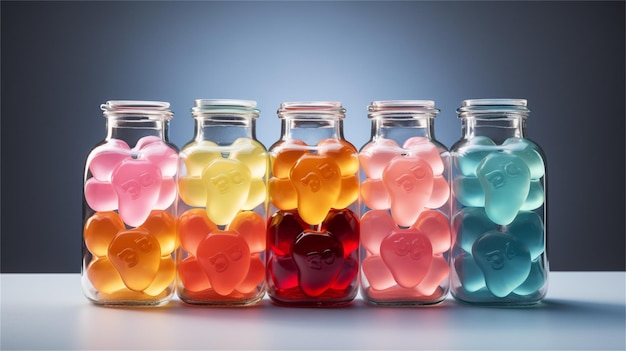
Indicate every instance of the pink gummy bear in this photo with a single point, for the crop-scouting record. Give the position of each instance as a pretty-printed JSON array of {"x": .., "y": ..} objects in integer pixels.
[{"x": 133, "y": 181}]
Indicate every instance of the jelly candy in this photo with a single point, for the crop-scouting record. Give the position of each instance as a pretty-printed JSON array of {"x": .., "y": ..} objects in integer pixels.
[
  {"x": 164, "y": 277},
  {"x": 284, "y": 228},
  {"x": 283, "y": 272},
  {"x": 424, "y": 149},
  {"x": 528, "y": 228},
  {"x": 256, "y": 195},
  {"x": 344, "y": 225},
  {"x": 283, "y": 194},
  {"x": 375, "y": 226},
  {"x": 408, "y": 255},
  {"x": 376, "y": 155},
  {"x": 342, "y": 153},
  {"x": 527, "y": 151},
  {"x": 374, "y": 194},
  {"x": 162, "y": 226},
  {"x": 349, "y": 192},
  {"x": 409, "y": 182},
  {"x": 252, "y": 154},
  {"x": 470, "y": 275},
  {"x": 438, "y": 272},
  {"x": 132, "y": 181},
  {"x": 225, "y": 258},
  {"x": 480, "y": 147},
  {"x": 319, "y": 258},
  {"x": 99, "y": 231},
  {"x": 377, "y": 273},
  {"x": 227, "y": 183},
  {"x": 468, "y": 191},
  {"x": 194, "y": 227},
  {"x": 317, "y": 180},
  {"x": 287, "y": 153},
  {"x": 199, "y": 154},
  {"x": 470, "y": 224},
  {"x": 535, "y": 196},
  {"x": 536, "y": 279},
  {"x": 104, "y": 277},
  {"x": 192, "y": 275},
  {"x": 255, "y": 276},
  {"x": 506, "y": 181},
  {"x": 435, "y": 226},
  {"x": 440, "y": 193},
  {"x": 251, "y": 227},
  {"x": 503, "y": 260},
  {"x": 136, "y": 255}
]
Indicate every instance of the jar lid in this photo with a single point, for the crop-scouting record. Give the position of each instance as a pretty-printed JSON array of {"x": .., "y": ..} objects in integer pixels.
[
  {"x": 224, "y": 107},
  {"x": 402, "y": 109},
  {"x": 471, "y": 107},
  {"x": 150, "y": 109},
  {"x": 311, "y": 109}
]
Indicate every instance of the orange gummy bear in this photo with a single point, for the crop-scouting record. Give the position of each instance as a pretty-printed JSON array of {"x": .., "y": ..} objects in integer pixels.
[{"x": 136, "y": 255}]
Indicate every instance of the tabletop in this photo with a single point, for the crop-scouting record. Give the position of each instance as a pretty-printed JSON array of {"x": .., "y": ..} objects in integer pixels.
[{"x": 582, "y": 310}]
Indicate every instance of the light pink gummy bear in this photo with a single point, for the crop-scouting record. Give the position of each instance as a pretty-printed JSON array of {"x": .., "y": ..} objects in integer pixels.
[
  {"x": 411, "y": 258},
  {"x": 133, "y": 181}
]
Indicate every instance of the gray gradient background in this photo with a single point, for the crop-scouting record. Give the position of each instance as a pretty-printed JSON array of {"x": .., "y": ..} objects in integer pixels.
[{"x": 61, "y": 60}]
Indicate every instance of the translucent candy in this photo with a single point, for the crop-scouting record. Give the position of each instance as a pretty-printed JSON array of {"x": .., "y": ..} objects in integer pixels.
[
  {"x": 424, "y": 149},
  {"x": 528, "y": 229},
  {"x": 472, "y": 153},
  {"x": 99, "y": 231},
  {"x": 374, "y": 194},
  {"x": 283, "y": 229},
  {"x": 343, "y": 153},
  {"x": 535, "y": 197},
  {"x": 164, "y": 277},
  {"x": 224, "y": 261},
  {"x": 349, "y": 192},
  {"x": 283, "y": 194},
  {"x": 132, "y": 181},
  {"x": 405, "y": 257},
  {"x": 503, "y": 260},
  {"x": 319, "y": 258},
  {"x": 470, "y": 275},
  {"x": 287, "y": 153},
  {"x": 162, "y": 226},
  {"x": 409, "y": 182},
  {"x": 104, "y": 277},
  {"x": 535, "y": 281},
  {"x": 506, "y": 182},
  {"x": 224, "y": 179},
  {"x": 317, "y": 180},
  {"x": 225, "y": 258},
  {"x": 527, "y": 151},
  {"x": 376, "y": 155},
  {"x": 136, "y": 255},
  {"x": 468, "y": 191},
  {"x": 470, "y": 224}
]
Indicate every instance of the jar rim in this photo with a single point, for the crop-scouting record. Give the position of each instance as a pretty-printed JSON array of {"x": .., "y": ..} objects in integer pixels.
[
  {"x": 402, "y": 109},
  {"x": 311, "y": 109},
  {"x": 225, "y": 107},
  {"x": 493, "y": 107},
  {"x": 115, "y": 108}
]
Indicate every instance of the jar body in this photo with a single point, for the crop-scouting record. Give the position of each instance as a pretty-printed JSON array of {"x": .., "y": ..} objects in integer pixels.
[
  {"x": 313, "y": 224},
  {"x": 129, "y": 201},
  {"x": 222, "y": 207},
  {"x": 499, "y": 210},
  {"x": 405, "y": 233}
]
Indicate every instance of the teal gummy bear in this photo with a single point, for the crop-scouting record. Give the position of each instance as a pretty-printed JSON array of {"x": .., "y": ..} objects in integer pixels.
[
  {"x": 468, "y": 191},
  {"x": 535, "y": 281},
  {"x": 470, "y": 275},
  {"x": 534, "y": 199},
  {"x": 506, "y": 181},
  {"x": 527, "y": 151},
  {"x": 504, "y": 261},
  {"x": 477, "y": 149},
  {"x": 528, "y": 229},
  {"x": 470, "y": 224}
]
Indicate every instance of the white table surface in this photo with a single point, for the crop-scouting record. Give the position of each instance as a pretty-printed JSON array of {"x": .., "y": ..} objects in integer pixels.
[{"x": 48, "y": 311}]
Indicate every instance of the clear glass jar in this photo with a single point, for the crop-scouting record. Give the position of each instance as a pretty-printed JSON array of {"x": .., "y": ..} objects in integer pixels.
[
  {"x": 499, "y": 210},
  {"x": 405, "y": 231},
  {"x": 313, "y": 226},
  {"x": 129, "y": 228},
  {"x": 222, "y": 208}
]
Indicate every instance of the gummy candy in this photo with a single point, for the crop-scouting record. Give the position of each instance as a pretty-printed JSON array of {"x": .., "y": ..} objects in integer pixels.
[
  {"x": 472, "y": 153},
  {"x": 304, "y": 263},
  {"x": 376, "y": 155},
  {"x": 503, "y": 260},
  {"x": 342, "y": 152},
  {"x": 137, "y": 259},
  {"x": 527, "y": 151},
  {"x": 319, "y": 259},
  {"x": 424, "y": 149},
  {"x": 224, "y": 179},
  {"x": 223, "y": 261},
  {"x": 409, "y": 182},
  {"x": 374, "y": 194},
  {"x": 506, "y": 182},
  {"x": 132, "y": 181},
  {"x": 408, "y": 258},
  {"x": 317, "y": 180}
]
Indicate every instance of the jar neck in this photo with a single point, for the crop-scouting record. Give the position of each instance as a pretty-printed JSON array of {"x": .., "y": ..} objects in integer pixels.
[
  {"x": 496, "y": 128},
  {"x": 401, "y": 129},
  {"x": 311, "y": 130},
  {"x": 224, "y": 130},
  {"x": 130, "y": 130}
]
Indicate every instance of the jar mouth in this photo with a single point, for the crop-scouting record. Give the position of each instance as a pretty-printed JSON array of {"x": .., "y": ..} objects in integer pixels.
[
  {"x": 224, "y": 107},
  {"x": 137, "y": 108},
  {"x": 493, "y": 107},
  {"x": 402, "y": 109},
  {"x": 311, "y": 109}
]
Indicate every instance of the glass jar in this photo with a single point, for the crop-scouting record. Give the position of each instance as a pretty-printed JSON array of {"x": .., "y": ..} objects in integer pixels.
[
  {"x": 499, "y": 211},
  {"x": 222, "y": 208},
  {"x": 313, "y": 225},
  {"x": 129, "y": 228},
  {"x": 405, "y": 233}
]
